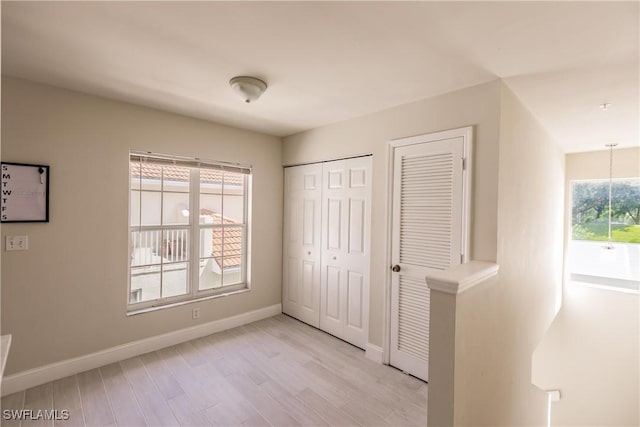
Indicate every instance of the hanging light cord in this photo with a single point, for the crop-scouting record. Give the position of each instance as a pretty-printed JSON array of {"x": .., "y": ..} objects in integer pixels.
[{"x": 609, "y": 243}]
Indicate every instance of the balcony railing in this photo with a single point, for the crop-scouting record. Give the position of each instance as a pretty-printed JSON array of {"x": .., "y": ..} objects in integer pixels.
[{"x": 151, "y": 247}]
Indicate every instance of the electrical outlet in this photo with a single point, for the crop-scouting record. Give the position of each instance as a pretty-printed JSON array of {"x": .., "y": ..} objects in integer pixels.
[
  {"x": 195, "y": 314},
  {"x": 17, "y": 243}
]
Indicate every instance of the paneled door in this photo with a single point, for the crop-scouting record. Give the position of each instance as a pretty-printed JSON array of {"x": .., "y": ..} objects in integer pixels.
[
  {"x": 346, "y": 219},
  {"x": 301, "y": 261},
  {"x": 428, "y": 232}
]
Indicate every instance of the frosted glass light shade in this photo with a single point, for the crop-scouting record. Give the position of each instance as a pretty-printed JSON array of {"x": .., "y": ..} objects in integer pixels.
[{"x": 248, "y": 88}]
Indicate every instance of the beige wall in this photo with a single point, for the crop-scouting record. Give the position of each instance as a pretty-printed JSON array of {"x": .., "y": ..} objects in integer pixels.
[
  {"x": 66, "y": 296},
  {"x": 595, "y": 165},
  {"x": 499, "y": 323},
  {"x": 371, "y": 134},
  {"x": 591, "y": 351},
  {"x": 67, "y": 293}
]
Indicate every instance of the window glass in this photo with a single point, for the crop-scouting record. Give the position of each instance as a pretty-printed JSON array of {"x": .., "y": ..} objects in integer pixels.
[
  {"x": 233, "y": 199},
  {"x": 145, "y": 284},
  {"x": 222, "y": 229},
  {"x": 168, "y": 214},
  {"x": 591, "y": 258}
]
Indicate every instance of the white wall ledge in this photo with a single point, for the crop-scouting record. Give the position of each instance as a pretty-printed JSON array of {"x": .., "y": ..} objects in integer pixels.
[{"x": 459, "y": 278}]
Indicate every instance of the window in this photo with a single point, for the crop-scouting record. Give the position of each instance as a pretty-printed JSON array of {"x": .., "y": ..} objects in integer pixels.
[
  {"x": 590, "y": 261},
  {"x": 187, "y": 228}
]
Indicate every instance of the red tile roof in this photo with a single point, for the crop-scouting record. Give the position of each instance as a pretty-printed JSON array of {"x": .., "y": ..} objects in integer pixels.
[
  {"x": 181, "y": 173},
  {"x": 227, "y": 242}
]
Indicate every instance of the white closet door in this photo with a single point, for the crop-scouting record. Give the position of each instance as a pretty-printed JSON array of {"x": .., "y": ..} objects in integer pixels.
[
  {"x": 301, "y": 263},
  {"x": 427, "y": 235},
  {"x": 346, "y": 218}
]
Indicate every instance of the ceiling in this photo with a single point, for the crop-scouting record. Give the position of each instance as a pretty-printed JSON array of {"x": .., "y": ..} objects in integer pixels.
[{"x": 331, "y": 61}]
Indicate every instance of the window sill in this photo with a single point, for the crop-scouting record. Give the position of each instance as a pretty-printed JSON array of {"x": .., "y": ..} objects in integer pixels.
[
  {"x": 134, "y": 312},
  {"x": 604, "y": 287}
]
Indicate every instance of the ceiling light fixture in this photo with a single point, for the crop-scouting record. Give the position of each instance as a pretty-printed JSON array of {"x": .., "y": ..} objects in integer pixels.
[
  {"x": 248, "y": 88},
  {"x": 605, "y": 106}
]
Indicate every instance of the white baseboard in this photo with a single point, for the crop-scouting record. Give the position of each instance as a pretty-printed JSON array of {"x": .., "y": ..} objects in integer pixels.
[
  {"x": 43, "y": 374},
  {"x": 374, "y": 352}
]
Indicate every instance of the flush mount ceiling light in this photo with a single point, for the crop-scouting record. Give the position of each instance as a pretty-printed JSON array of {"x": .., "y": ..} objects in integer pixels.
[
  {"x": 249, "y": 88},
  {"x": 605, "y": 106}
]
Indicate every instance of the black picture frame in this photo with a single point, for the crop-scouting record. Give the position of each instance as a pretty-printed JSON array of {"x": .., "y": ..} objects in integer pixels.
[{"x": 24, "y": 192}]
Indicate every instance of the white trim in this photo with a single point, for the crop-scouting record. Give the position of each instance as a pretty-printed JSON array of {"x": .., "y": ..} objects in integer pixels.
[
  {"x": 192, "y": 162},
  {"x": 459, "y": 278},
  {"x": 43, "y": 374},
  {"x": 374, "y": 352},
  {"x": 228, "y": 292},
  {"x": 386, "y": 313},
  {"x": 467, "y": 174},
  {"x": 315, "y": 162},
  {"x": 465, "y": 132}
]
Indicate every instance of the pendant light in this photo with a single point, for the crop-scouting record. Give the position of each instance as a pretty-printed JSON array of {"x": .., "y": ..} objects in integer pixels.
[{"x": 609, "y": 246}]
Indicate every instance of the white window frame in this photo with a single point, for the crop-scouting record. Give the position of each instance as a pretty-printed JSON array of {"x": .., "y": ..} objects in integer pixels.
[
  {"x": 193, "y": 292},
  {"x": 602, "y": 282}
]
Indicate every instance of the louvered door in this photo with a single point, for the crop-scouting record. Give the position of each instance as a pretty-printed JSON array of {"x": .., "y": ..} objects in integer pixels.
[{"x": 427, "y": 235}]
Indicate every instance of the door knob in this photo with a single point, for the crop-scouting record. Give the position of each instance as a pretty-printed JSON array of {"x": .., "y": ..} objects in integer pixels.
[{"x": 395, "y": 268}]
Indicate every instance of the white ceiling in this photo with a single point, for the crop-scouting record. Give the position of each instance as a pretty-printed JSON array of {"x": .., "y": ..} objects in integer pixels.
[{"x": 331, "y": 61}]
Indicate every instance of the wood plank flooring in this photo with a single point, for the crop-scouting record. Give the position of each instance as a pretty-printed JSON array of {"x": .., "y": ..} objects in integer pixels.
[{"x": 275, "y": 372}]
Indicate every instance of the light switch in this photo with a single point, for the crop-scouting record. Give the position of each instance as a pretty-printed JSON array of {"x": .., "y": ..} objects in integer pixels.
[{"x": 17, "y": 243}]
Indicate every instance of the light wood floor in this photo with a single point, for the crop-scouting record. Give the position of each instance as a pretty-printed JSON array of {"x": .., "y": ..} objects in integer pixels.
[{"x": 275, "y": 372}]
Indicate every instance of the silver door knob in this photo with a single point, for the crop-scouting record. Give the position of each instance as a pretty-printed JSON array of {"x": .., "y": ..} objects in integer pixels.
[
  {"x": 335, "y": 258},
  {"x": 309, "y": 253},
  {"x": 395, "y": 268}
]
